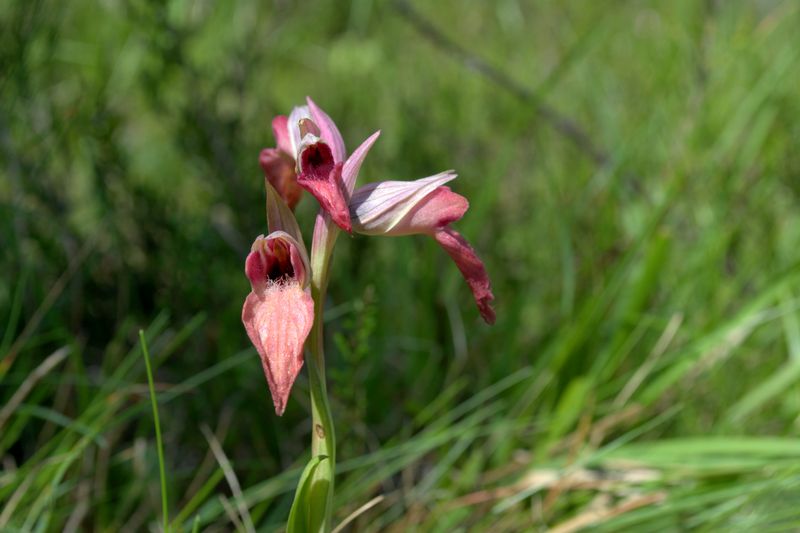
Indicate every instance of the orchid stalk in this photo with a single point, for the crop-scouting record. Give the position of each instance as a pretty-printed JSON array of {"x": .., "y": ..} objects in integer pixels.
[{"x": 283, "y": 314}]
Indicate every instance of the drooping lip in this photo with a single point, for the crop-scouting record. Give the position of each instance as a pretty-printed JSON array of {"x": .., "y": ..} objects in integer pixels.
[
  {"x": 278, "y": 321},
  {"x": 321, "y": 175}
]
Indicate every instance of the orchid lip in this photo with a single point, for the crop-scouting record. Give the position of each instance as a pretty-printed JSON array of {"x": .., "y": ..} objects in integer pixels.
[{"x": 321, "y": 175}]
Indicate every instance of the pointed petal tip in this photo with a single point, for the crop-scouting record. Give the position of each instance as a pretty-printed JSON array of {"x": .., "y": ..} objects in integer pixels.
[
  {"x": 353, "y": 163},
  {"x": 487, "y": 310},
  {"x": 280, "y": 405},
  {"x": 472, "y": 269},
  {"x": 339, "y": 215}
]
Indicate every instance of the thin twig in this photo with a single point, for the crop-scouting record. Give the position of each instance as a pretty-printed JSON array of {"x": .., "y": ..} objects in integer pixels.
[{"x": 561, "y": 123}]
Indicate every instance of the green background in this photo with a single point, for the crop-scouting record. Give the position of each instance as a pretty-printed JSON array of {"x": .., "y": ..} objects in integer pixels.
[{"x": 633, "y": 171}]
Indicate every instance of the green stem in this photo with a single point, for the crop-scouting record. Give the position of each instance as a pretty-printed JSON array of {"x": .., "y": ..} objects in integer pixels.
[
  {"x": 159, "y": 444},
  {"x": 323, "y": 438}
]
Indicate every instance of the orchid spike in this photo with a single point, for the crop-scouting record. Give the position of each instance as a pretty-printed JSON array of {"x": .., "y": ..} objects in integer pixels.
[
  {"x": 425, "y": 206},
  {"x": 279, "y": 311}
]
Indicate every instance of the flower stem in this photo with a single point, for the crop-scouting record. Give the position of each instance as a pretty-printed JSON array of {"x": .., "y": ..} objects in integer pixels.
[{"x": 323, "y": 438}]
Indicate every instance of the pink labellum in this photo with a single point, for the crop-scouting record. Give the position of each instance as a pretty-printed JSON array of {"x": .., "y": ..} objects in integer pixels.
[
  {"x": 322, "y": 177},
  {"x": 328, "y": 131},
  {"x": 279, "y": 169},
  {"x": 278, "y": 321},
  {"x": 471, "y": 268},
  {"x": 279, "y": 311}
]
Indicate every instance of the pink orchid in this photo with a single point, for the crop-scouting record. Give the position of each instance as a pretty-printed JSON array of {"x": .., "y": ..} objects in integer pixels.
[
  {"x": 279, "y": 311},
  {"x": 313, "y": 143},
  {"x": 424, "y": 206}
]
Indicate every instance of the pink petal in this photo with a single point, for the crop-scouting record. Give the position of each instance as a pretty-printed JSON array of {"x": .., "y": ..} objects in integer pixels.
[
  {"x": 322, "y": 177},
  {"x": 471, "y": 268},
  {"x": 379, "y": 208},
  {"x": 278, "y": 322},
  {"x": 278, "y": 168},
  {"x": 329, "y": 132},
  {"x": 280, "y": 127},
  {"x": 353, "y": 163},
  {"x": 438, "y": 209}
]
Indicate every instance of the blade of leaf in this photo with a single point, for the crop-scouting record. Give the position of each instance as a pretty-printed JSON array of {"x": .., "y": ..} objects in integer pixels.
[{"x": 301, "y": 519}]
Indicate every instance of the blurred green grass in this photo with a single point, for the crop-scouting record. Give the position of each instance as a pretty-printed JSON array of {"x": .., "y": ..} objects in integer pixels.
[{"x": 643, "y": 370}]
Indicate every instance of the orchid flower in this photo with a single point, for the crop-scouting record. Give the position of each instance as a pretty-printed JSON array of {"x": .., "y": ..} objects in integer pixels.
[
  {"x": 310, "y": 140},
  {"x": 425, "y": 206},
  {"x": 279, "y": 311}
]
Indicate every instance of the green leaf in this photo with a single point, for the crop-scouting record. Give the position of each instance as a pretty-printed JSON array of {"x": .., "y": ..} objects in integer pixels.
[{"x": 308, "y": 509}]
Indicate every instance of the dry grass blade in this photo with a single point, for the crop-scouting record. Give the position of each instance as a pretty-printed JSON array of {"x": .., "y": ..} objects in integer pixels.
[
  {"x": 230, "y": 476},
  {"x": 231, "y": 512},
  {"x": 55, "y": 291},
  {"x": 595, "y": 516},
  {"x": 13, "y": 501},
  {"x": 658, "y": 350},
  {"x": 33, "y": 378},
  {"x": 358, "y": 512},
  {"x": 563, "y": 481}
]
